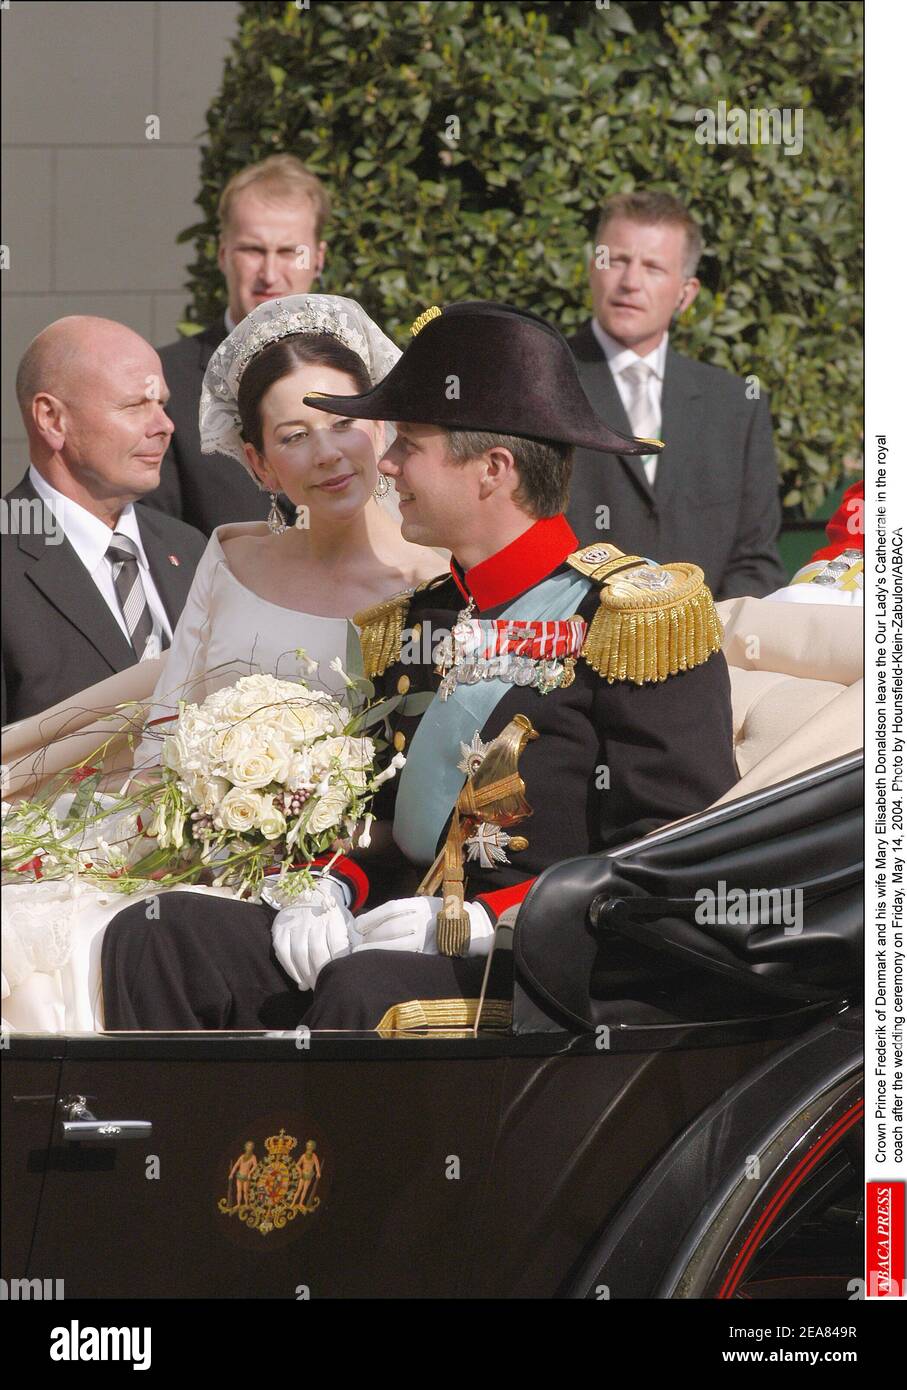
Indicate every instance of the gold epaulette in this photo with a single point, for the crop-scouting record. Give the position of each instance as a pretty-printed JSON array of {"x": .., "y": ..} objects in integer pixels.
[
  {"x": 652, "y": 620},
  {"x": 382, "y": 627}
]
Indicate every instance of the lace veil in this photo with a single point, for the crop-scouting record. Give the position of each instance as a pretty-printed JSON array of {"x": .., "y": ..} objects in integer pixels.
[{"x": 218, "y": 414}]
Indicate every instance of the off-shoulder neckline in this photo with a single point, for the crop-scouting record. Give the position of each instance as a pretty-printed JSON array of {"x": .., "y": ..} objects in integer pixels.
[{"x": 251, "y": 527}]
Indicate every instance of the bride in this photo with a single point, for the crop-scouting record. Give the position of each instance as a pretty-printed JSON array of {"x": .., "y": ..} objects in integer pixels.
[{"x": 262, "y": 591}]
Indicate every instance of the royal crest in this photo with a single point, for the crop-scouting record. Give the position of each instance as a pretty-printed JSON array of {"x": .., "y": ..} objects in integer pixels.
[{"x": 268, "y": 1192}]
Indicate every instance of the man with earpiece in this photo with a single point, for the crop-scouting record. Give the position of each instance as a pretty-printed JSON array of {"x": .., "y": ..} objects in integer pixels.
[{"x": 711, "y": 495}]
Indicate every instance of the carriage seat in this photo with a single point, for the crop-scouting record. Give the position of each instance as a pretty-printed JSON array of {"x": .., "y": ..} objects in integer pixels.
[{"x": 796, "y": 686}]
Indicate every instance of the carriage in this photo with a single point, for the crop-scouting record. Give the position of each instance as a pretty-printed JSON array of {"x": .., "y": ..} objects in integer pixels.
[{"x": 670, "y": 1109}]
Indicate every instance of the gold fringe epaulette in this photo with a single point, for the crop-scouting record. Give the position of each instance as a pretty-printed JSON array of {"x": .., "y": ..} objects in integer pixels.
[
  {"x": 652, "y": 620},
  {"x": 382, "y": 626}
]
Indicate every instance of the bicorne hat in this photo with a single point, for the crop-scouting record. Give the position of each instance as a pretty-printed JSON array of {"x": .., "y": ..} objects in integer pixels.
[{"x": 477, "y": 365}]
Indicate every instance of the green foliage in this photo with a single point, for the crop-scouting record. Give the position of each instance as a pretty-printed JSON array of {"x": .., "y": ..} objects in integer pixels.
[{"x": 560, "y": 105}]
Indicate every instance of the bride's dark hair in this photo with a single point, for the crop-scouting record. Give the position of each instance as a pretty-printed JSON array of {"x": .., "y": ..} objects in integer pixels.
[{"x": 283, "y": 357}]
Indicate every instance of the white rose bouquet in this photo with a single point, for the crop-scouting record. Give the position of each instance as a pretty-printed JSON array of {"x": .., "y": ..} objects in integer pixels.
[{"x": 261, "y": 777}]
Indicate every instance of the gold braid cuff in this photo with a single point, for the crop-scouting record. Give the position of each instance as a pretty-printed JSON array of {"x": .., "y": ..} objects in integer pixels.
[
  {"x": 382, "y": 628},
  {"x": 651, "y": 622},
  {"x": 419, "y": 1014}
]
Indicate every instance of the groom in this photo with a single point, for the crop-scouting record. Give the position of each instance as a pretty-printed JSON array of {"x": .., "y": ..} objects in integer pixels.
[{"x": 614, "y": 660}]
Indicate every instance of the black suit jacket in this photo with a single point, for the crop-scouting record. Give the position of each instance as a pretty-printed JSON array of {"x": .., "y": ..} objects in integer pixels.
[
  {"x": 58, "y": 634},
  {"x": 204, "y": 490},
  {"x": 715, "y": 500}
]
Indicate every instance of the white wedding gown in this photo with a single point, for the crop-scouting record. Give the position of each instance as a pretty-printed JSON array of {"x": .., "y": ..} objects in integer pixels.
[{"x": 52, "y": 930}]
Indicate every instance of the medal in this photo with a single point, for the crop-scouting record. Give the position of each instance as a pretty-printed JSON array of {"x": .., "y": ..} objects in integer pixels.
[{"x": 537, "y": 654}]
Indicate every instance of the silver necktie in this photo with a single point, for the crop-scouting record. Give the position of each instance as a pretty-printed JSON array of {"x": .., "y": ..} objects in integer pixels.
[{"x": 642, "y": 413}]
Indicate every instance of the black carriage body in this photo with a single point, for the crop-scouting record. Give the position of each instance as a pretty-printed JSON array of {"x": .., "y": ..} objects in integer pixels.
[{"x": 599, "y": 1149}]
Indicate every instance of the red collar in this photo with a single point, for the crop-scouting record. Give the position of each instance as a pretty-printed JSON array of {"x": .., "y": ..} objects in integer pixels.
[{"x": 520, "y": 565}]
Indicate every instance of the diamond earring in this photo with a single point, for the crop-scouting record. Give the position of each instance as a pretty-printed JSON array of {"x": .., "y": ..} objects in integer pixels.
[
  {"x": 277, "y": 522},
  {"x": 383, "y": 486}
]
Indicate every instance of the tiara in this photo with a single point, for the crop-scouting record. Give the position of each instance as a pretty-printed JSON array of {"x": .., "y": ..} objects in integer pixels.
[{"x": 286, "y": 322}]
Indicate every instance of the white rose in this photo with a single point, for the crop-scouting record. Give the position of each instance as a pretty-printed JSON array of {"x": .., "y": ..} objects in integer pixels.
[
  {"x": 253, "y": 768},
  {"x": 183, "y": 754},
  {"x": 353, "y": 756},
  {"x": 272, "y": 822},
  {"x": 240, "y": 810},
  {"x": 261, "y": 696},
  {"x": 303, "y": 721},
  {"x": 350, "y": 752},
  {"x": 208, "y": 793},
  {"x": 226, "y": 706},
  {"x": 329, "y": 810},
  {"x": 238, "y": 739}
]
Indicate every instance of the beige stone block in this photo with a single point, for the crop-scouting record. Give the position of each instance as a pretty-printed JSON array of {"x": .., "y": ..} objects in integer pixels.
[
  {"x": 27, "y": 219},
  {"x": 118, "y": 215},
  {"x": 193, "y": 45},
  {"x": 169, "y": 310},
  {"x": 78, "y": 74}
]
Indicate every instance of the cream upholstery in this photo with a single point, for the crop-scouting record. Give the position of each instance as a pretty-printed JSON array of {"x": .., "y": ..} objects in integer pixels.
[
  {"x": 34, "y": 750},
  {"x": 796, "y": 686}
]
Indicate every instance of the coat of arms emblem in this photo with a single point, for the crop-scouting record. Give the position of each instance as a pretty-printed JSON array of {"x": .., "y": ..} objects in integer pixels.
[{"x": 265, "y": 1193}]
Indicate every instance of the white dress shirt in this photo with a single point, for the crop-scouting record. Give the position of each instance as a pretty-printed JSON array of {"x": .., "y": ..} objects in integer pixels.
[
  {"x": 618, "y": 357},
  {"x": 89, "y": 538}
]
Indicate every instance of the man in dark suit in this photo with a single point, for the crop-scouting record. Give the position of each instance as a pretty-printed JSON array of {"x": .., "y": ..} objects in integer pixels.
[
  {"x": 271, "y": 219},
  {"x": 91, "y": 584},
  {"x": 712, "y": 494}
]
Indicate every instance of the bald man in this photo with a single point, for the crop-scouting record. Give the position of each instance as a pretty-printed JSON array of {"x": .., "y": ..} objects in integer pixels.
[{"x": 91, "y": 584}]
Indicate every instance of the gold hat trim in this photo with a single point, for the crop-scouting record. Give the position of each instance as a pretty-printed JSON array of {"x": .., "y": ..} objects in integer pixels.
[{"x": 433, "y": 313}]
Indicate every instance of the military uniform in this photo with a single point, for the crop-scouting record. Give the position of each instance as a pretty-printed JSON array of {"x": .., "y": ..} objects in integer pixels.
[
  {"x": 607, "y": 666},
  {"x": 623, "y": 745}
]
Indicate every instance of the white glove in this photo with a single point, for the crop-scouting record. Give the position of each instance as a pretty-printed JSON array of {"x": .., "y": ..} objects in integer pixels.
[
  {"x": 316, "y": 929},
  {"x": 408, "y": 924}
]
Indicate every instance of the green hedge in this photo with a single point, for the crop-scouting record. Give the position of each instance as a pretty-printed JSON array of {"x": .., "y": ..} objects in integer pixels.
[{"x": 560, "y": 105}]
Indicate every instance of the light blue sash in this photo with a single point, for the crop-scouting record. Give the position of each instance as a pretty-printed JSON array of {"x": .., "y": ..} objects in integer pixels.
[{"x": 431, "y": 781}]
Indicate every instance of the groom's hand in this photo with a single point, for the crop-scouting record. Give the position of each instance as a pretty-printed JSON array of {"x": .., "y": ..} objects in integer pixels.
[
  {"x": 316, "y": 929},
  {"x": 408, "y": 924}
]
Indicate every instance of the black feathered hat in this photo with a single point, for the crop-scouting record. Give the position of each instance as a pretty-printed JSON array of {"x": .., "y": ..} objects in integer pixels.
[{"x": 478, "y": 365}]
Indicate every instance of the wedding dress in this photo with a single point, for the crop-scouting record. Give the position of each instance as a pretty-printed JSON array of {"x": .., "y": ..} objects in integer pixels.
[{"x": 52, "y": 930}]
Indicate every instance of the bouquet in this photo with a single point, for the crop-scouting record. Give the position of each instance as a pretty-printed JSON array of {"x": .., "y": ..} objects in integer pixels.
[{"x": 262, "y": 777}]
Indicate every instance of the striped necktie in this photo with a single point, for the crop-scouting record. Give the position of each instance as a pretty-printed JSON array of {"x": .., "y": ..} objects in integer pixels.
[{"x": 131, "y": 596}]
